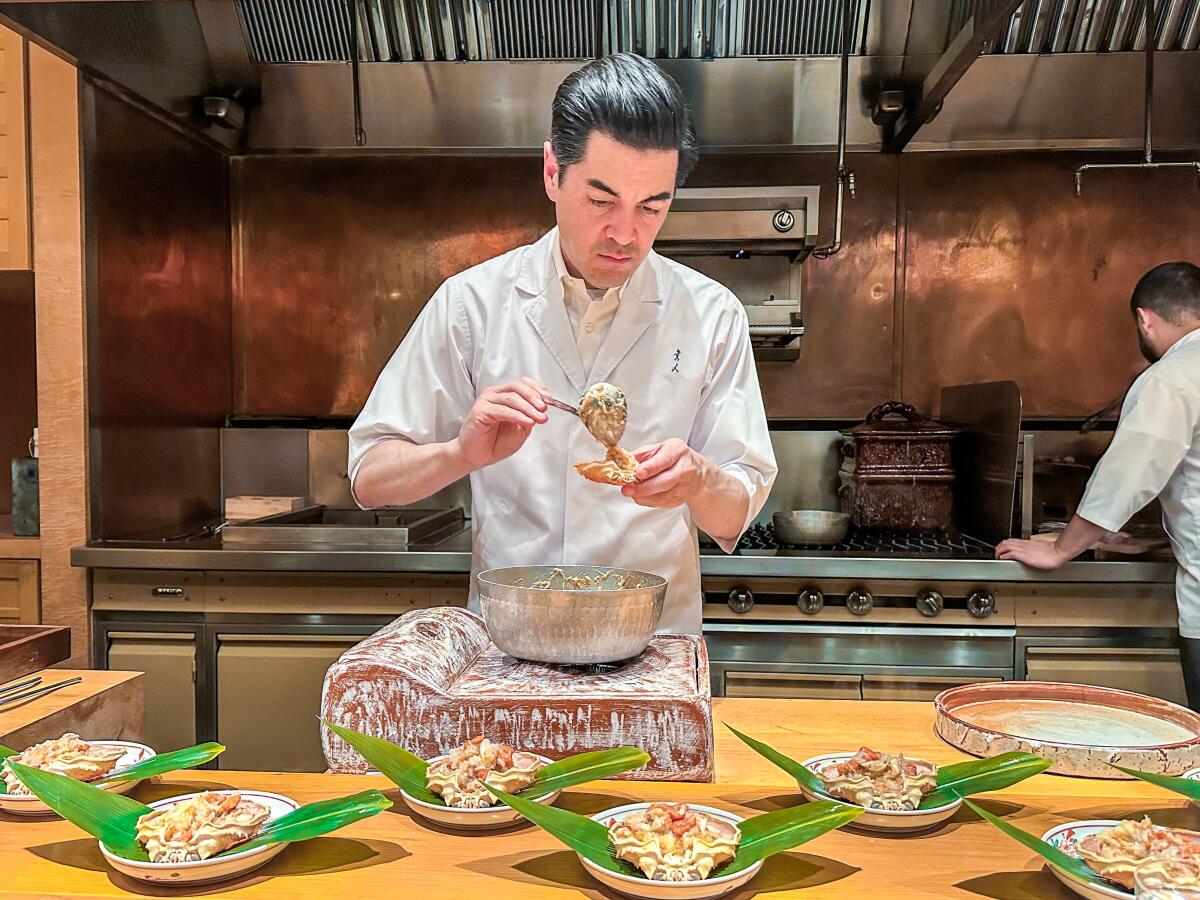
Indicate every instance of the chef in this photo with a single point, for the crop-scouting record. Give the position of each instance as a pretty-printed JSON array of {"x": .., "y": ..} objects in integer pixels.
[
  {"x": 464, "y": 394},
  {"x": 1155, "y": 452}
]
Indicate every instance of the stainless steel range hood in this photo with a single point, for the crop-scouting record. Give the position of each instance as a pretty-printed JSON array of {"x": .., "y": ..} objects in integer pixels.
[{"x": 478, "y": 75}]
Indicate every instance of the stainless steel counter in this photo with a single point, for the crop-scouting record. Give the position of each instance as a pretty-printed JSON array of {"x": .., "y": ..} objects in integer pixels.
[{"x": 454, "y": 556}]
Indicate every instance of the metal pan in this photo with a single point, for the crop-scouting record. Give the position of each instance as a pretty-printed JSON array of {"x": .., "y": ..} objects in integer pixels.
[{"x": 811, "y": 526}]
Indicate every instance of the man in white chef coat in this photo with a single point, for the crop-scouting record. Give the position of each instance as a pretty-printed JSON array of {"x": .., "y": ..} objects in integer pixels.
[
  {"x": 464, "y": 394},
  {"x": 1155, "y": 452}
]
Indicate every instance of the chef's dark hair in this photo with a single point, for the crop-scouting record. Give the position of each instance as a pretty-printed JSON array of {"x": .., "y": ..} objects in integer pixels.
[
  {"x": 1172, "y": 290},
  {"x": 630, "y": 100}
]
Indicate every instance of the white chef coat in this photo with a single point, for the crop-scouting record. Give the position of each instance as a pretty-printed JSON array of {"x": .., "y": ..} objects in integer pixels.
[
  {"x": 589, "y": 311},
  {"x": 1156, "y": 452},
  {"x": 678, "y": 346}
]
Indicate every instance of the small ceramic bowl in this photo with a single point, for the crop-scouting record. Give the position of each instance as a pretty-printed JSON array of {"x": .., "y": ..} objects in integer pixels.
[
  {"x": 1065, "y": 837},
  {"x": 29, "y": 805},
  {"x": 881, "y": 820},
  {"x": 217, "y": 868},
  {"x": 489, "y": 817},
  {"x": 645, "y": 889}
]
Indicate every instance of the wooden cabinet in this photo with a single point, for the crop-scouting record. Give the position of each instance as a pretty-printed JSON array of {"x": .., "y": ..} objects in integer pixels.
[
  {"x": 1143, "y": 670},
  {"x": 169, "y": 661},
  {"x": 19, "y": 592},
  {"x": 269, "y": 697}
]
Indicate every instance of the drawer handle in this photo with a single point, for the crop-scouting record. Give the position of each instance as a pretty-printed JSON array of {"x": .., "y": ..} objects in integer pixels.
[{"x": 167, "y": 592}]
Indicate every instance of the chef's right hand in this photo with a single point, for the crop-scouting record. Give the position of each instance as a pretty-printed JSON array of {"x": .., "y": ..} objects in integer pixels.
[{"x": 500, "y": 421}]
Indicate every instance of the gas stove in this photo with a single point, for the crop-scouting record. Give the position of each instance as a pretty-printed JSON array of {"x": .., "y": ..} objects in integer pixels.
[{"x": 761, "y": 540}]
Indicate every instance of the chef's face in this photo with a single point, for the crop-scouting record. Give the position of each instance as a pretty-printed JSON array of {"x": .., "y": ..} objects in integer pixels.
[{"x": 610, "y": 206}]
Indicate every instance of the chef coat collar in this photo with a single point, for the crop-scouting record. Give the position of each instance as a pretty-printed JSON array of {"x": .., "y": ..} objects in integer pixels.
[{"x": 539, "y": 274}]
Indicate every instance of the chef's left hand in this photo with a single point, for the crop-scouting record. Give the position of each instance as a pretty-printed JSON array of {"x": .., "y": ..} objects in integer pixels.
[{"x": 669, "y": 474}]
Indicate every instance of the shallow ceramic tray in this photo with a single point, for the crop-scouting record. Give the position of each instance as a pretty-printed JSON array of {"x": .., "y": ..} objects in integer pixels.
[
  {"x": 644, "y": 889},
  {"x": 1080, "y": 728},
  {"x": 498, "y": 816},
  {"x": 29, "y": 805},
  {"x": 898, "y": 821},
  {"x": 216, "y": 868},
  {"x": 1064, "y": 837}
]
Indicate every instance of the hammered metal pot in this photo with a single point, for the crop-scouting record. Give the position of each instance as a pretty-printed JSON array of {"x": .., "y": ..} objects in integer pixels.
[{"x": 602, "y": 623}]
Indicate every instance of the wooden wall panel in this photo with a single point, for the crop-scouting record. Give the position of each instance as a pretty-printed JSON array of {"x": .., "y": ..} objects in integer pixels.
[{"x": 61, "y": 350}]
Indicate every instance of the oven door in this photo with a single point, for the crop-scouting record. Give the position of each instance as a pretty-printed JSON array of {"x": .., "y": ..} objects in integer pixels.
[{"x": 853, "y": 662}]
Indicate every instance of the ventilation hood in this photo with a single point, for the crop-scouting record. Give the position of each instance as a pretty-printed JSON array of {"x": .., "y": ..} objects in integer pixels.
[{"x": 479, "y": 75}]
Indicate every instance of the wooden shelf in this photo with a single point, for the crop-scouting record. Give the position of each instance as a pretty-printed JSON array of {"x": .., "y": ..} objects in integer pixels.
[{"x": 14, "y": 547}]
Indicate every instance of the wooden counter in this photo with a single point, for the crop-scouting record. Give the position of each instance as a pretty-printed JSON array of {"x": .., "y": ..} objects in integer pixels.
[
  {"x": 103, "y": 703},
  {"x": 394, "y": 854}
]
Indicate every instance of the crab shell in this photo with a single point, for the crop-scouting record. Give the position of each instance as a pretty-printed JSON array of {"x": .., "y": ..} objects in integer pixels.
[
  {"x": 67, "y": 755},
  {"x": 465, "y": 791},
  {"x": 884, "y": 784},
  {"x": 617, "y": 467},
  {"x": 603, "y": 411},
  {"x": 715, "y": 843},
  {"x": 1120, "y": 867},
  {"x": 213, "y": 832}
]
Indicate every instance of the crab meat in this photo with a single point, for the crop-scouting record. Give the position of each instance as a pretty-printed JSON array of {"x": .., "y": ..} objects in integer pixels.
[
  {"x": 673, "y": 843},
  {"x": 67, "y": 755},
  {"x": 1118, "y": 853},
  {"x": 604, "y": 413},
  {"x": 880, "y": 780},
  {"x": 200, "y": 827},
  {"x": 460, "y": 776}
]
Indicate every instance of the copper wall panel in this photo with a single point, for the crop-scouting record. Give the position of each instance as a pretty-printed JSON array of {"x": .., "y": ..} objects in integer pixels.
[
  {"x": 156, "y": 205},
  {"x": 1002, "y": 272},
  {"x": 18, "y": 374},
  {"x": 1009, "y": 275},
  {"x": 338, "y": 255}
]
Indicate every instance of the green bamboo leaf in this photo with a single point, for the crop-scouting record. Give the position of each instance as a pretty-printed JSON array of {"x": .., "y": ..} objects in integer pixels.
[
  {"x": 584, "y": 767},
  {"x": 797, "y": 770},
  {"x": 585, "y": 836},
  {"x": 316, "y": 819},
  {"x": 163, "y": 763},
  {"x": 405, "y": 770},
  {"x": 1184, "y": 786},
  {"x": 1075, "y": 868},
  {"x": 776, "y": 832},
  {"x": 5, "y": 753},
  {"x": 106, "y": 816},
  {"x": 978, "y": 776}
]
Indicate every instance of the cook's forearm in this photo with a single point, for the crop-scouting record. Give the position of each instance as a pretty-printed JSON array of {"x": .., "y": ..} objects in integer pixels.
[
  {"x": 397, "y": 472},
  {"x": 719, "y": 508},
  {"x": 1078, "y": 536}
]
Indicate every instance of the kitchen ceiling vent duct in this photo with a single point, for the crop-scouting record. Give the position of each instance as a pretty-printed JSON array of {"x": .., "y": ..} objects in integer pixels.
[
  {"x": 1087, "y": 26},
  {"x": 293, "y": 31}
]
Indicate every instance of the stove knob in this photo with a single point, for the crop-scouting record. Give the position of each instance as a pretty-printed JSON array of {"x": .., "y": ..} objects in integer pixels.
[
  {"x": 860, "y": 602},
  {"x": 930, "y": 603},
  {"x": 740, "y": 600},
  {"x": 811, "y": 601},
  {"x": 981, "y": 604}
]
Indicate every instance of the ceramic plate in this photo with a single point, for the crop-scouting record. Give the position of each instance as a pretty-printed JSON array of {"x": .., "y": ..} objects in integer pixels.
[
  {"x": 1080, "y": 728},
  {"x": 29, "y": 805},
  {"x": 881, "y": 820},
  {"x": 498, "y": 816},
  {"x": 1064, "y": 837},
  {"x": 645, "y": 889},
  {"x": 217, "y": 868}
]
